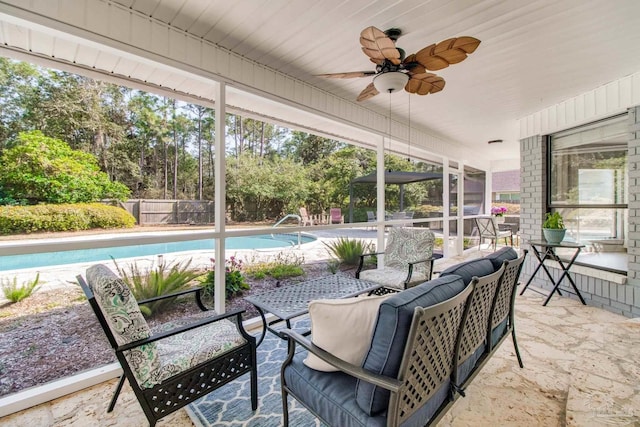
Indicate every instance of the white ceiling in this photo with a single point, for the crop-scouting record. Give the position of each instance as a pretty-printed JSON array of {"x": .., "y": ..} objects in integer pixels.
[{"x": 533, "y": 53}]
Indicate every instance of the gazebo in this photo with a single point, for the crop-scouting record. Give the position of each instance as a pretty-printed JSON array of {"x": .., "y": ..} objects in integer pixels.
[{"x": 391, "y": 177}]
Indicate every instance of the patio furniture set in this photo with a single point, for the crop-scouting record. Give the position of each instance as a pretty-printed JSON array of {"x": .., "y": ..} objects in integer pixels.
[
  {"x": 333, "y": 217},
  {"x": 397, "y": 353}
]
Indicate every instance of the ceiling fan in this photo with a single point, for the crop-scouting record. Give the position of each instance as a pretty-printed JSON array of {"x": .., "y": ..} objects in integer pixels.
[{"x": 395, "y": 70}]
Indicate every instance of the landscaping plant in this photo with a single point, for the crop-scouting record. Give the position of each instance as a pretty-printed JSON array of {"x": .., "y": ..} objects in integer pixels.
[
  {"x": 348, "y": 251},
  {"x": 235, "y": 281},
  {"x": 155, "y": 281},
  {"x": 14, "y": 292},
  {"x": 282, "y": 266}
]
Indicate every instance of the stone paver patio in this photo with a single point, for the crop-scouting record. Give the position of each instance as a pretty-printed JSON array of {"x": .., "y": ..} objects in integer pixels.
[{"x": 582, "y": 368}]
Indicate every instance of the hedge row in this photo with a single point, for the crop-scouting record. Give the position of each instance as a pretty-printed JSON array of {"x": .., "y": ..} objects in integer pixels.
[{"x": 63, "y": 217}]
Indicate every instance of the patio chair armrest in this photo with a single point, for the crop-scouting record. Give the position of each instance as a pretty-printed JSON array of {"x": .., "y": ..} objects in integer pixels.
[
  {"x": 361, "y": 263},
  {"x": 198, "y": 295},
  {"x": 181, "y": 329},
  {"x": 411, "y": 264},
  {"x": 293, "y": 337}
]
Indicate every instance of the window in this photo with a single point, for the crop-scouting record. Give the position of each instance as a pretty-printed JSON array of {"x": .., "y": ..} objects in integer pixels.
[{"x": 588, "y": 183}]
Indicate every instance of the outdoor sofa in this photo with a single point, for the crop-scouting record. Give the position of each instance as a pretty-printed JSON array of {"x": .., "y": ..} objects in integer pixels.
[{"x": 427, "y": 343}]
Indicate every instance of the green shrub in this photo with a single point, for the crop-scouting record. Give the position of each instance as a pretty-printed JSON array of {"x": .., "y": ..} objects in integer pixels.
[
  {"x": 348, "y": 251},
  {"x": 14, "y": 292},
  {"x": 156, "y": 281},
  {"x": 235, "y": 282},
  {"x": 65, "y": 217},
  {"x": 282, "y": 266},
  {"x": 40, "y": 169}
]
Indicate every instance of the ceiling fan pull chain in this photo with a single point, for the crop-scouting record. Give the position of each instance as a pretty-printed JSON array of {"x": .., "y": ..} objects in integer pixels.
[{"x": 409, "y": 141}]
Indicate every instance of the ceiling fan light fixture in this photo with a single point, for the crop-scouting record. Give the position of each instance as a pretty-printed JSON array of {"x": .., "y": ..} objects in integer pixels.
[{"x": 390, "y": 82}]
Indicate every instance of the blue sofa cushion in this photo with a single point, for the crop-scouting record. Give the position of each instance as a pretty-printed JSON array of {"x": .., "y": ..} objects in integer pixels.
[
  {"x": 330, "y": 394},
  {"x": 476, "y": 267},
  {"x": 498, "y": 332},
  {"x": 497, "y": 257},
  {"x": 390, "y": 336}
]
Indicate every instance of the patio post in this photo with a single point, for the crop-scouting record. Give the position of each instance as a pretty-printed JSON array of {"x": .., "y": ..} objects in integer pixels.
[{"x": 219, "y": 197}]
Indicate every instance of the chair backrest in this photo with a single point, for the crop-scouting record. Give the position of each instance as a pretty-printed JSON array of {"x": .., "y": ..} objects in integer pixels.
[
  {"x": 391, "y": 332},
  {"x": 371, "y": 216},
  {"x": 303, "y": 213},
  {"x": 507, "y": 291},
  {"x": 487, "y": 226},
  {"x": 406, "y": 245},
  {"x": 428, "y": 361},
  {"x": 336, "y": 213},
  {"x": 399, "y": 215},
  {"x": 120, "y": 317},
  {"x": 473, "y": 341}
]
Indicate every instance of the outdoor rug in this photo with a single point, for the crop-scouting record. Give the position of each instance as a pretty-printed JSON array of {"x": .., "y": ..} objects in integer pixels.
[{"x": 230, "y": 405}]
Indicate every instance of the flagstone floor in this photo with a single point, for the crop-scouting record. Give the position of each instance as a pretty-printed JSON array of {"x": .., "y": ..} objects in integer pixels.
[{"x": 582, "y": 368}]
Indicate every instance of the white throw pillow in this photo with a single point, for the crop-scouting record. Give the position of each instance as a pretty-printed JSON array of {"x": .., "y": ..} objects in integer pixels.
[{"x": 343, "y": 327}]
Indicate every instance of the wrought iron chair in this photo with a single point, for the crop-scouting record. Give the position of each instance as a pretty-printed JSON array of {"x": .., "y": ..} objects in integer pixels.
[
  {"x": 488, "y": 229},
  {"x": 171, "y": 368},
  {"x": 408, "y": 259}
]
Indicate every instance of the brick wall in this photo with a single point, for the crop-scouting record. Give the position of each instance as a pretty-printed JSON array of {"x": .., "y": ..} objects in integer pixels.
[
  {"x": 633, "y": 249},
  {"x": 617, "y": 293}
]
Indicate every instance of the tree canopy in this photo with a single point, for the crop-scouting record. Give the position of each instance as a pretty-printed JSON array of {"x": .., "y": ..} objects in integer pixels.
[
  {"x": 159, "y": 147},
  {"x": 41, "y": 169}
]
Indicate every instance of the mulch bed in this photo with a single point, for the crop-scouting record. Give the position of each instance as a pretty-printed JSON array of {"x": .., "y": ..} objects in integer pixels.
[{"x": 53, "y": 334}]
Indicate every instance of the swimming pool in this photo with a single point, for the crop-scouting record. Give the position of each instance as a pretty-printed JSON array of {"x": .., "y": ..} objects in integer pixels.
[{"x": 47, "y": 259}]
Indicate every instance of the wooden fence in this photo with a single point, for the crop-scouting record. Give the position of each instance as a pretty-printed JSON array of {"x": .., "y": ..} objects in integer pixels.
[{"x": 149, "y": 212}]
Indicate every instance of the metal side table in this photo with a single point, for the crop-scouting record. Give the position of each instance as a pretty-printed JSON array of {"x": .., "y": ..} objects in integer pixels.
[{"x": 544, "y": 250}]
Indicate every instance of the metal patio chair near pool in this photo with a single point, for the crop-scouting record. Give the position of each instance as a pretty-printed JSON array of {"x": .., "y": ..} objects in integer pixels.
[
  {"x": 408, "y": 259},
  {"x": 177, "y": 365},
  {"x": 336, "y": 216}
]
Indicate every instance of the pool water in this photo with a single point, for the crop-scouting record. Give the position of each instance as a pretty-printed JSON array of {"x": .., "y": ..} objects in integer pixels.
[{"x": 46, "y": 259}]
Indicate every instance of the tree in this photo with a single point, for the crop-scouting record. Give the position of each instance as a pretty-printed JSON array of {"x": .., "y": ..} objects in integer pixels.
[
  {"x": 309, "y": 148},
  {"x": 41, "y": 169}
]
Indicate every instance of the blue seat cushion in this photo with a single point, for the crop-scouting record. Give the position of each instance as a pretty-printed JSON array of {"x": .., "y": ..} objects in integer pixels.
[
  {"x": 468, "y": 366},
  {"x": 476, "y": 267},
  {"x": 499, "y": 331},
  {"x": 390, "y": 336},
  {"x": 331, "y": 395},
  {"x": 504, "y": 254}
]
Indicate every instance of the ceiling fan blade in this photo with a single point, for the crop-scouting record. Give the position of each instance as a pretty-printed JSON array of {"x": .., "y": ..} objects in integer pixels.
[
  {"x": 347, "y": 75},
  {"x": 412, "y": 66},
  {"x": 424, "y": 84},
  {"x": 377, "y": 46},
  {"x": 369, "y": 92},
  {"x": 445, "y": 53}
]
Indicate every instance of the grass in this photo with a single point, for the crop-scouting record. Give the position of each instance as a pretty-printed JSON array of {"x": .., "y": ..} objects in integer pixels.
[
  {"x": 14, "y": 292},
  {"x": 282, "y": 266}
]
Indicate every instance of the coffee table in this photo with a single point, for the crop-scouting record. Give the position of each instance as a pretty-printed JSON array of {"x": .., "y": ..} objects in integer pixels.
[{"x": 290, "y": 301}]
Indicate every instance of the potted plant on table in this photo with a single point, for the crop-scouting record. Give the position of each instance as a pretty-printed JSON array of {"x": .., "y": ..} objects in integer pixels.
[
  {"x": 553, "y": 228},
  {"x": 498, "y": 213}
]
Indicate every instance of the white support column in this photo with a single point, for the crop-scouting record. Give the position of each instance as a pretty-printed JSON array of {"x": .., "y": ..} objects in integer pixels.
[
  {"x": 460, "y": 221},
  {"x": 488, "y": 193},
  {"x": 380, "y": 212},
  {"x": 220, "y": 197},
  {"x": 445, "y": 207}
]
